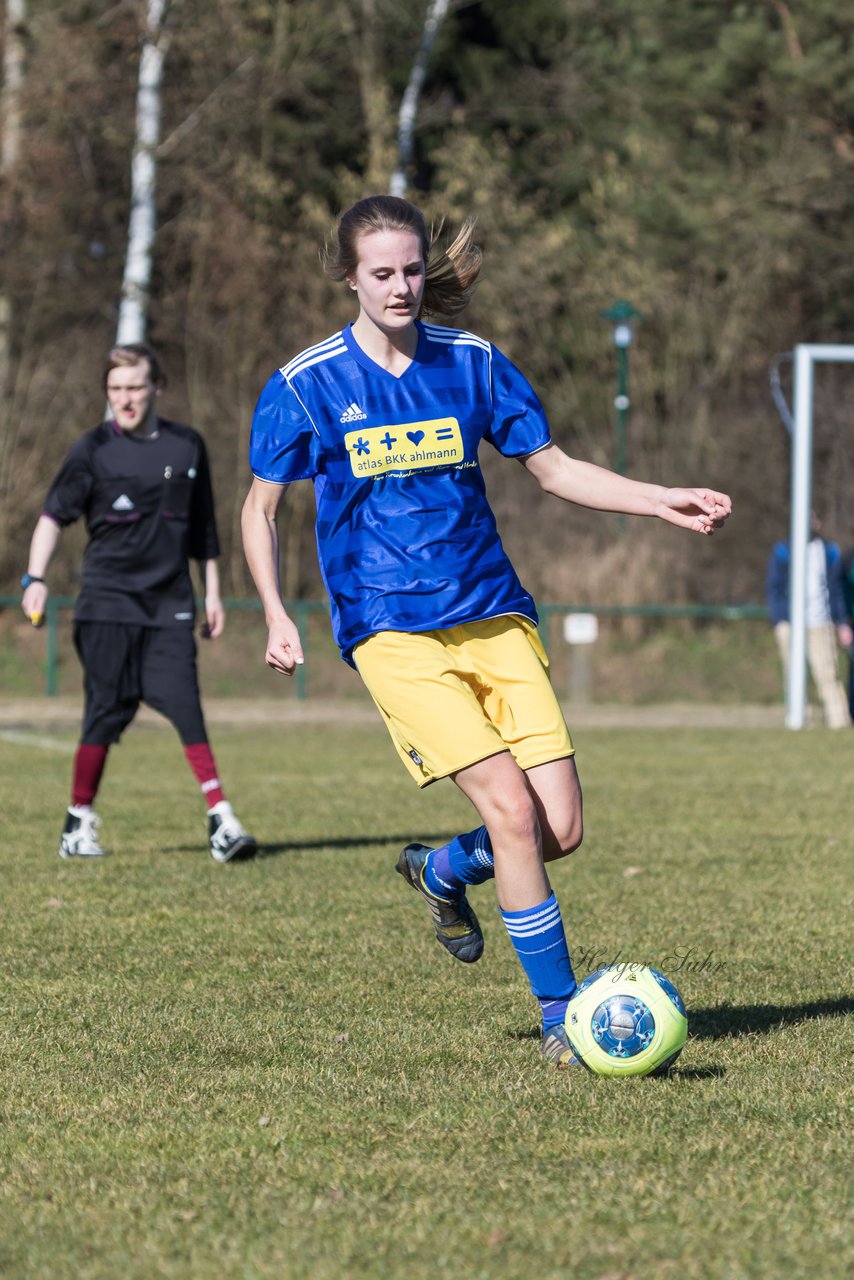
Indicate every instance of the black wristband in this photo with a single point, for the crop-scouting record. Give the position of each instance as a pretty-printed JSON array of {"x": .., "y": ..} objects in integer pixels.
[{"x": 28, "y": 579}]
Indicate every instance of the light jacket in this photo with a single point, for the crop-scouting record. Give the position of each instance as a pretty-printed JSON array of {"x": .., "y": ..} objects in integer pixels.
[{"x": 777, "y": 582}]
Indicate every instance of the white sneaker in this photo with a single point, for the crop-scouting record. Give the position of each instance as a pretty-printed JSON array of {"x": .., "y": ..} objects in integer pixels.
[
  {"x": 226, "y": 835},
  {"x": 80, "y": 836}
]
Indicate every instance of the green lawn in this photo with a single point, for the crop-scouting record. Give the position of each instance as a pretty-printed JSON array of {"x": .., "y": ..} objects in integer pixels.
[{"x": 272, "y": 1070}]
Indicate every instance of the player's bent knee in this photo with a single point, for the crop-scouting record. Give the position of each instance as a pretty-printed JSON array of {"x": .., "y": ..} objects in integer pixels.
[
  {"x": 574, "y": 833},
  {"x": 572, "y": 839},
  {"x": 515, "y": 815},
  {"x": 561, "y": 843}
]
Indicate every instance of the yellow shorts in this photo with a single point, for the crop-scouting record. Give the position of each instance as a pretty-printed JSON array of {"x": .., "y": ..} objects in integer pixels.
[{"x": 455, "y": 696}]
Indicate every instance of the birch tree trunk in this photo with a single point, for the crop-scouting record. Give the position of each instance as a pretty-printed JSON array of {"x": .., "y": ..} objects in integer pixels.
[
  {"x": 409, "y": 103},
  {"x": 14, "y": 37},
  {"x": 133, "y": 309}
]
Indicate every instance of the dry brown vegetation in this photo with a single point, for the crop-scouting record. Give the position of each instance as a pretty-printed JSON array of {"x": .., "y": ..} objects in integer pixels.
[{"x": 697, "y": 162}]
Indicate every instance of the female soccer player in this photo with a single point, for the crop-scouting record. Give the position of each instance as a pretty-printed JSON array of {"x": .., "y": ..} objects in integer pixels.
[{"x": 386, "y": 418}]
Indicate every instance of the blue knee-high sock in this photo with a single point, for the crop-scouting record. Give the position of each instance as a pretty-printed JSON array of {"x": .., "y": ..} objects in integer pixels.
[
  {"x": 538, "y": 936},
  {"x": 466, "y": 860}
]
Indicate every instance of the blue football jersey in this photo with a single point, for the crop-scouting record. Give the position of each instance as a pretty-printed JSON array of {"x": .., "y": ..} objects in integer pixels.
[{"x": 405, "y": 534}]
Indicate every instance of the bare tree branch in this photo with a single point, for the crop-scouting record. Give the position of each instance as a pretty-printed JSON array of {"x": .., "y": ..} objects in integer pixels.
[
  {"x": 793, "y": 44},
  {"x": 133, "y": 308},
  {"x": 13, "y": 81},
  {"x": 187, "y": 125},
  {"x": 14, "y": 48},
  {"x": 409, "y": 103}
]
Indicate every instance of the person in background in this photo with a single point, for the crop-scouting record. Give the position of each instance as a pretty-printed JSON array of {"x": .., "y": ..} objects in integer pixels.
[
  {"x": 143, "y": 486},
  {"x": 386, "y": 417},
  {"x": 826, "y": 619},
  {"x": 848, "y": 595}
]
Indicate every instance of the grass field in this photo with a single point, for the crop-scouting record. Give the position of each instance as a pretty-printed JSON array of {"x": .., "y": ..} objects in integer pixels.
[{"x": 272, "y": 1070}]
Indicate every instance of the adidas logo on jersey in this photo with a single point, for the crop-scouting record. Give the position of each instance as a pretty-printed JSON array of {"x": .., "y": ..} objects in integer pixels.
[
  {"x": 353, "y": 414},
  {"x": 123, "y": 503}
]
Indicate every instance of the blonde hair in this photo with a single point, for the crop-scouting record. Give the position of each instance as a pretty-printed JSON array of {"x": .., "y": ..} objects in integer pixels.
[
  {"x": 450, "y": 275},
  {"x": 132, "y": 353}
]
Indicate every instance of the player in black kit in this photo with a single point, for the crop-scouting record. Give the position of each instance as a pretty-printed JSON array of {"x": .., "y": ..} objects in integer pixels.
[{"x": 143, "y": 486}]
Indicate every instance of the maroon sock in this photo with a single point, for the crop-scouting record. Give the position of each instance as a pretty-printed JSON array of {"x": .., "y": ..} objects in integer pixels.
[
  {"x": 201, "y": 761},
  {"x": 88, "y": 767}
]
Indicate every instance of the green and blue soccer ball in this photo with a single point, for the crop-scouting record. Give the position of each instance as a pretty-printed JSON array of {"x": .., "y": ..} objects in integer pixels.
[{"x": 626, "y": 1020}]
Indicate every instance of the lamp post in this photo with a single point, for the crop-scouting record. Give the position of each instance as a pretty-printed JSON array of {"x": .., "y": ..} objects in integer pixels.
[{"x": 621, "y": 315}]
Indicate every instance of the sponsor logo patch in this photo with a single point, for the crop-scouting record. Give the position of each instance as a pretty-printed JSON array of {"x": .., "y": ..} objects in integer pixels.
[{"x": 412, "y": 446}]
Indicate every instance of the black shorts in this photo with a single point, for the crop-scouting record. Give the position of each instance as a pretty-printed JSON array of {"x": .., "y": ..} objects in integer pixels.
[{"x": 124, "y": 665}]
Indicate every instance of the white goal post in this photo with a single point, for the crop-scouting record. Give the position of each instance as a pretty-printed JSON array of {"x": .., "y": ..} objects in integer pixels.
[{"x": 807, "y": 355}]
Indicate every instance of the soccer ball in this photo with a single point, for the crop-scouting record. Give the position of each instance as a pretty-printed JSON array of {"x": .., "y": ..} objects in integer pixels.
[{"x": 626, "y": 1020}]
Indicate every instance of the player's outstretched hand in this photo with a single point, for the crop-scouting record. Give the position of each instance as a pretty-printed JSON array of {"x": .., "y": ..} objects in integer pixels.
[
  {"x": 700, "y": 510},
  {"x": 284, "y": 648}
]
